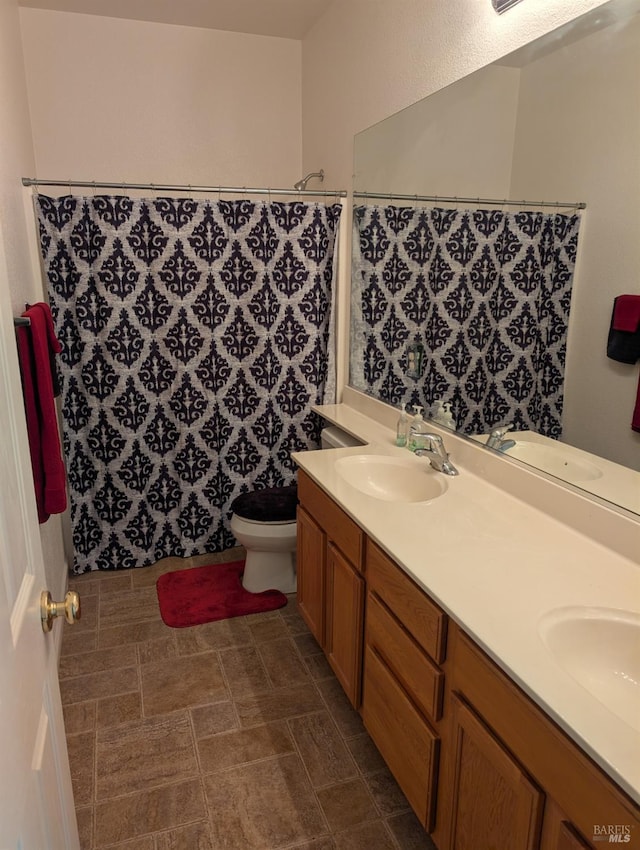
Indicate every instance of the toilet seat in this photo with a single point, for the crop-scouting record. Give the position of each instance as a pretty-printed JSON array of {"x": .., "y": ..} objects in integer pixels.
[{"x": 264, "y": 522}]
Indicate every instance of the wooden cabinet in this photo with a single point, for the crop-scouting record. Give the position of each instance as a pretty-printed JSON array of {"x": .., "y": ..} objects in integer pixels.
[
  {"x": 493, "y": 802},
  {"x": 405, "y": 635},
  {"x": 330, "y": 591},
  {"x": 343, "y": 622},
  {"x": 498, "y": 745},
  {"x": 483, "y": 767}
]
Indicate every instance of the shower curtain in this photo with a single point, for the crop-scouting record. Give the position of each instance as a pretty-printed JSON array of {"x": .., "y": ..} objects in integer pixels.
[
  {"x": 485, "y": 294},
  {"x": 196, "y": 335}
]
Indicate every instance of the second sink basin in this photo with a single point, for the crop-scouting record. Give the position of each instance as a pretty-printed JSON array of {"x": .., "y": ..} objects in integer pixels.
[
  {"x": 599, "y": 648},
  {"x": 391, "y": 479}
]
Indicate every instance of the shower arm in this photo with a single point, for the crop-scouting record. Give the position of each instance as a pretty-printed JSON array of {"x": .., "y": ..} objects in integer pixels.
[{"x": 301, "y": 185}]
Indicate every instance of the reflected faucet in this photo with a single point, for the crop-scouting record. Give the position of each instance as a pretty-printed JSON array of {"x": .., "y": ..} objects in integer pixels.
[
  {"x": 496, "y": 439},
  {"x": 434, "y": 450}
]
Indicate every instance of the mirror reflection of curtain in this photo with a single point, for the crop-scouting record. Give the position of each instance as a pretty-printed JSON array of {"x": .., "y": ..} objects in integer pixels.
[
  {"x": 196, "y": 336},
  {"x": 485, "y": 293}
]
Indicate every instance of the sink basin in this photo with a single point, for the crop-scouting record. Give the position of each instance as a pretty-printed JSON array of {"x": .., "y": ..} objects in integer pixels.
[
  {"x": 600, "y": 649},
  {"x": 554, "y": 460},
  {"x": 391, "y": 479}
]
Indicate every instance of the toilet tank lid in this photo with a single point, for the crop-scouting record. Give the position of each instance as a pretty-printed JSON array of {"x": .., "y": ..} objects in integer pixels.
[{"x": 335, "y": 438}]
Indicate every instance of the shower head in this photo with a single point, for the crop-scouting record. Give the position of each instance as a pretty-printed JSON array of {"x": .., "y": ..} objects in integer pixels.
[{"x": 301, "y": 185}]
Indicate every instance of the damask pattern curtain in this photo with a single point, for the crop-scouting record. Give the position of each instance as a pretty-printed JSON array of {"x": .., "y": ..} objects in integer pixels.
[
  {"x": 485, "y": 293},
  {"x": 196, "y": 335}
]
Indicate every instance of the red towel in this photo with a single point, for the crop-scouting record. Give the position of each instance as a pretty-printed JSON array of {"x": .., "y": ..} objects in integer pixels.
[
  {"x": 635, "y": 421},
  {"x": 626, "y": 313},
  {"x": 35, "y": 346}
]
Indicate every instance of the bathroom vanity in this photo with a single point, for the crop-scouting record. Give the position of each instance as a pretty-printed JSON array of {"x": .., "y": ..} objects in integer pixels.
[{"x": 438, "y": 611}]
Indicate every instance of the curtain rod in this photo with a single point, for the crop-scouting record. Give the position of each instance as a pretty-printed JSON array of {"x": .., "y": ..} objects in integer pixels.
[
  {"x": 159, "y": 187},
  {"x": 579, "y": 205}
]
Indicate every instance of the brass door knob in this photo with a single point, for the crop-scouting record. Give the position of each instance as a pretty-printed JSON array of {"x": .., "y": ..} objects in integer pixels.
[{"x": 49, "y": 609}]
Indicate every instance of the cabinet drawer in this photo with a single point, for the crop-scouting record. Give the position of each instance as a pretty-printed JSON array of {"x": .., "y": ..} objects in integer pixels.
[
  {"x": 422, "y": 680},
  {"x": 404, "y": 739},
  {"x": 413, "y": 608},
  {"x": 339, "y": 527}
]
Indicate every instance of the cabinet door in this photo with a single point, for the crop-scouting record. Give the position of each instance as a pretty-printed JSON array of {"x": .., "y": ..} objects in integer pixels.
[
  {"x": 310, "y": 567},
  {"x": 344, "y": 622},
  {"x": 494, "y": 803}
]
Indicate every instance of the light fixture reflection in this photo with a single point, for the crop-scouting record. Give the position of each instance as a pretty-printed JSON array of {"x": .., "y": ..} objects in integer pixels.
[{"x": 502, "y": 5}]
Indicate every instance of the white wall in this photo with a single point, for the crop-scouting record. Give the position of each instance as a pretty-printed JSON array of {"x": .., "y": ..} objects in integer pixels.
[
  {"x": 16, "y": 159},
  {"x": 366, "y": 59},
  {"x": 130, "y": 101}
]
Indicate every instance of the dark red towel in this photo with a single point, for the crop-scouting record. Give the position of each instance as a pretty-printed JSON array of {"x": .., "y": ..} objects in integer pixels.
[
  {"x": 635, "y": 421},
  {"x": 35, "y": 346},
  {"x": 626, "y": 313}
]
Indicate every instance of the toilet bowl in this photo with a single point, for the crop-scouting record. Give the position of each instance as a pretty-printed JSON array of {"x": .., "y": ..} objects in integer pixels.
[{"x": 264, "y": 522}]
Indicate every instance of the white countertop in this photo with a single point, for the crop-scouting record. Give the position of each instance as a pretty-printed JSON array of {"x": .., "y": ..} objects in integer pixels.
[{"x": 497, "y": 565}]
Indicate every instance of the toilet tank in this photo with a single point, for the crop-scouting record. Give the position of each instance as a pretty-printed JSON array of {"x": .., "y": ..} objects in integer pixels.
[{"x": 333, "y": 437}]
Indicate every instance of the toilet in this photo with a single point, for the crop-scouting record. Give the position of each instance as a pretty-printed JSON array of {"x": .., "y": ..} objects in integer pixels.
[{"x": 264, "y": 522}]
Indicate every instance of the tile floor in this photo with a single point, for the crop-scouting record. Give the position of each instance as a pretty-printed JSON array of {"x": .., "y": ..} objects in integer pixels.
[{"x": 227, "y": 736}]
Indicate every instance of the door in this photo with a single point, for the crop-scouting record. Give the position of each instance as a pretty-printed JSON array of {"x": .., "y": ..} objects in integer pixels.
[{"x": 36, "y": 800}]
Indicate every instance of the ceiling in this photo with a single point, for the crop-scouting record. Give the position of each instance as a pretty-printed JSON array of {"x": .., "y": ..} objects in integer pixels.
[{"x": 280, "y": 18}]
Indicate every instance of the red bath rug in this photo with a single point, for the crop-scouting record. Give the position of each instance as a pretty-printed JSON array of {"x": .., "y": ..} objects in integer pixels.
[{"x": 215, "y": 592}]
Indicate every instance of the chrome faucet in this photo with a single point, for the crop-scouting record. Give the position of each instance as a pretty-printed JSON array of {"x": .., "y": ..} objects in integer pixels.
[
  {"x": 438, "y": 457},
  {"x": 497, "y": 441}
]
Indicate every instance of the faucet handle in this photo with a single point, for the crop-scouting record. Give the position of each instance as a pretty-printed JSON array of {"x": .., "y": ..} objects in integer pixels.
[{"x": 501, "y": 431}]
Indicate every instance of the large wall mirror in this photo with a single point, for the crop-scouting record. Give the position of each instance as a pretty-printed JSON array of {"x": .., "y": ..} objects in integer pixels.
[{"x": 557, "y": 121}]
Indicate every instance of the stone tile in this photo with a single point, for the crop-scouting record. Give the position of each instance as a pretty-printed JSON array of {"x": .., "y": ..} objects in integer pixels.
[
  {"x": 386, "y": 793},
  {"x": 366, "y": 754},
  {"x": 97, "y": 685},
  {"x": 283, "y": 663},
  {"x": 113, "y": 636},
  {"x": 278, "y": 704},
  {"x": 268, "y": 804},
  {"x": 144, "y": 754},
  {"x": 80, "y": 717},
  {"x": 213, "y": 719},
  {"x": 155, "y": 810},
  {"x": 147, "y": 842},
  {"x": 409, "y": 832},
  {"x": 128, "y": 606},
  {"x": 244, "y": 671},
  {"x": 307, "y": 644},
  {"x": 84, "y": 816},
  {"x": 81, "y": 750},
  {"x": 219, "y": 752},
  {"x": 157, "y": 649},
  {"x": 115, "y": 582},
  {"x": 78, "y": 640},
  {"x": 223, "y": 634},
  {"x": 112, "y": 711},
  {"x": 365, "y": 837},
  {"x": 92, "y": 662},
  {"x": 170, "y": 686},
  {"x": 318, "y": 666},
  {"x": 346, "y": 717},
  {"x": 294, "y": 622},
  {"x": 196, "y": 836},
  {"x": 322, "y": 749},
  {"x": 323, "y": 843},
  {"x": 347, "y": 804},
  {"x": 266, "y": 627}
]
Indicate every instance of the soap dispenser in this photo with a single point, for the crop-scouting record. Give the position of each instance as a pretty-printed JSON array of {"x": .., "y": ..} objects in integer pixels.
[
  {"x": 402, "y": 428},
  {"x": 416, "y": 427},
  {"x": 443, "y": 415}
]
